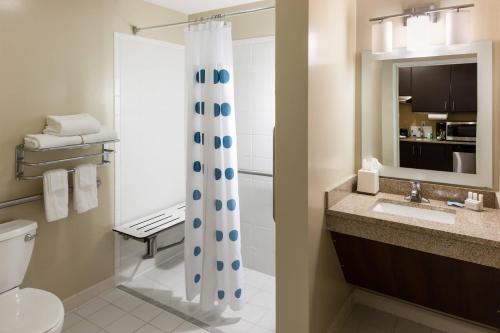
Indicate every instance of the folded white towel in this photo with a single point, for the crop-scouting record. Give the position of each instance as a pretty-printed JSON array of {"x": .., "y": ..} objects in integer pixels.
[
  {"x": 55, "y": 194},
  {"x": 85, "y": 188},
  {"x": 105, "y": 134},
  {"x": 40, "y": 141},
  {"x": 76, "y": 124}
]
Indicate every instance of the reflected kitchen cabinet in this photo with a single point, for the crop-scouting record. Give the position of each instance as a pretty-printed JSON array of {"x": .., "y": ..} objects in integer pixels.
[
  {"x": 407, "y": 157},
  {"x": 443, "y": 89},
  {"x": 405, "y": 81},
  {"x": 431, "y": 89},
  {"x": 463, "y": 91},
  {"x": 428, "y": 156}
]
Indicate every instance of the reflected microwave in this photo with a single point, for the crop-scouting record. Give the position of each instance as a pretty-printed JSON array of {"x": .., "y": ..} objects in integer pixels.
[{"x": 461, "y": 131}]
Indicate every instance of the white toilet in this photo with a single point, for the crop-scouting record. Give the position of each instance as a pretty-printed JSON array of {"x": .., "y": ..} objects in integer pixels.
[{"x": 24, "y": 310}]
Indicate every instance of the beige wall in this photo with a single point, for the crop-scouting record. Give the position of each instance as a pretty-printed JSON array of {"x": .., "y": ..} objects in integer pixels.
[
  {"x": 259, "y": 24},
  {"x": 57, "y": 58},
  {"x": 292, "y": 267},
  {"x": 331, "y": 144},
  {"x": 315, "y": 128},
  {"x": 485, "y": 25}
]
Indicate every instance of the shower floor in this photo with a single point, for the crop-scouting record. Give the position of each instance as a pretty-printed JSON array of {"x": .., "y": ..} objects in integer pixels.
[{"x": 165, "y": 285}]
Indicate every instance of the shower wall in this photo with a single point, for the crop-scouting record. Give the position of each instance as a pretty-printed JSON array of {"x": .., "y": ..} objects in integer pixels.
[
  {"x": 255, "y": 107},
  {"x": 150, "y": 159}
]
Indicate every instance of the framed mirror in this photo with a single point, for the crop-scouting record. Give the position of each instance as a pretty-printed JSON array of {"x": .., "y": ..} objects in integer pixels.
[{"x": 427, "y": 115}]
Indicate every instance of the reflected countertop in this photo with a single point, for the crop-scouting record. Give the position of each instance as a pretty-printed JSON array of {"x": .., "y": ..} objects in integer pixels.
[{"x": 445, "y": 142}]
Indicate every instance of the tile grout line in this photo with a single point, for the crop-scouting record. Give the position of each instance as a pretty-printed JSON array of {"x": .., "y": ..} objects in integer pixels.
[{"x": 169, "y": 309}]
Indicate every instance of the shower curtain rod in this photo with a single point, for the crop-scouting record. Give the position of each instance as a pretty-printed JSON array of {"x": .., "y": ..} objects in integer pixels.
[{"x": 136, "y": 29}]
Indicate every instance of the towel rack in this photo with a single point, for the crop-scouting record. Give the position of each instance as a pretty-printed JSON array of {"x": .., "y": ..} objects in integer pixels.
[{"x": 21, "y": 163}]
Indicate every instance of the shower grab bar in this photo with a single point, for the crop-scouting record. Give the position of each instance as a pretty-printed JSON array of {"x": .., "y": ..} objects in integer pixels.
[
  {"x": 254, "y": 173},
  {"x": 28, "y": 199}
]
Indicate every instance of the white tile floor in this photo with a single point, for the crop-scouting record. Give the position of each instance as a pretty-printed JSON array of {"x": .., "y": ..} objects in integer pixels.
[
  {"x": 367, "y": 320},
  {"x": 121, "y": 312},
  {"x": 116, "y": 311},
  {"x": 165, "y": 284}
]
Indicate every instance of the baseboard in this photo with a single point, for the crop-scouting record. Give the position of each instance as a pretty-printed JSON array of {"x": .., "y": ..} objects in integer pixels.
[
  {"x": 342, "y": 315},
  {"x": 416, "y": 313},
  {"x": 86, "y": 295}
]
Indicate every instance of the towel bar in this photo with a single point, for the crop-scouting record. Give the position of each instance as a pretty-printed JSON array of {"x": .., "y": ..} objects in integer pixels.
[
  {"x": 21, "y": 162},
  {"x": 67, "y": 159},
  {"x": 69, "y": 171},
  {"x": 68, "y": 147}
]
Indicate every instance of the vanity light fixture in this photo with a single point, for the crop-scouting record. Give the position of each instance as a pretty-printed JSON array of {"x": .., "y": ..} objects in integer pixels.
[
  {"x": 418, "y": 32},
  {"x": 382, "y": 37},
  {"x": 458, "y": 27},
  {"x": 418, "y": 22}
]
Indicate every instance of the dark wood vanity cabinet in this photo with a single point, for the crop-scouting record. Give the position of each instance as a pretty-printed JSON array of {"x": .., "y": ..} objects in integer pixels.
[
  {"x": 452, "y": 286},
  {"x": 428, "y": 156},
  {"x": 444, "y": 88}
]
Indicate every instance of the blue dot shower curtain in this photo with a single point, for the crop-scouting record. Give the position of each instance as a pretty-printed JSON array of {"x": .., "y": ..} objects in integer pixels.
[{"x": 212, "y": 229}]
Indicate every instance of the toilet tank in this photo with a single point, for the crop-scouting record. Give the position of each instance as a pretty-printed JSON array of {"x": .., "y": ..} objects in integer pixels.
[{"x": 17, "y": 239}]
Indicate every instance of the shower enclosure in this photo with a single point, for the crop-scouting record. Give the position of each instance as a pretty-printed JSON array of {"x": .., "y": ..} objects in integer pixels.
[{"x": 150, "y": 175}]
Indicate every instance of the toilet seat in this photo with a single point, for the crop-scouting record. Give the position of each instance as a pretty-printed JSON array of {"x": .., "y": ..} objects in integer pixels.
[{"x": 30, "y": 311}]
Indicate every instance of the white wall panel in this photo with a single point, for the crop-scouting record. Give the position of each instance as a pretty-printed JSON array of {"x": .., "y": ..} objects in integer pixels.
[
  {"x": 149, "y": 97},
  {"x": 255, "y": 109}
]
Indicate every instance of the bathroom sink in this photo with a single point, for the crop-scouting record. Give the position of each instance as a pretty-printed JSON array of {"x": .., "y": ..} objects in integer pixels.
[{"x": 422, "y": 213}]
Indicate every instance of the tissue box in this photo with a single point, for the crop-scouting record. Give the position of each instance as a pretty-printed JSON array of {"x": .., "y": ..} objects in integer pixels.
[{"x": 368, "y": 181}]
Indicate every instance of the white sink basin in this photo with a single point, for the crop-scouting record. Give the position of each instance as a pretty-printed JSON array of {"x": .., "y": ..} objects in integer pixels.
[{"x": 415, "y": 212}]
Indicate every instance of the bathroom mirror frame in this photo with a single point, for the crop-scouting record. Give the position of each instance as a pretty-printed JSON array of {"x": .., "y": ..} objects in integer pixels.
[{"x": 372, "y": 113}]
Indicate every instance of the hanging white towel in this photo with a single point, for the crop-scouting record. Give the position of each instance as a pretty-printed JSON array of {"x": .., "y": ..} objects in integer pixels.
[
  {"x": 55, "y": 194},
  {"x": 105, "y": 134},
  {"x": 41, "y": 141},
  {"x": 85, "y": 188},
  {"x": 75, "y": 124}
]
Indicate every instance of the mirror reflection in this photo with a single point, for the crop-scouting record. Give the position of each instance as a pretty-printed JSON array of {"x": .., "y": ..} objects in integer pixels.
[{"x": 437, "y": 116}]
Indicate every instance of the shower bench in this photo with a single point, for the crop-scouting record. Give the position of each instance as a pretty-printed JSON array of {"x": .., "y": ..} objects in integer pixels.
[{"x": 146, "y": 229}]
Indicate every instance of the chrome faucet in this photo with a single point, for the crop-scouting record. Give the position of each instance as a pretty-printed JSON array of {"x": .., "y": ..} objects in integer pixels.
[{"x": 416, "y": 193}]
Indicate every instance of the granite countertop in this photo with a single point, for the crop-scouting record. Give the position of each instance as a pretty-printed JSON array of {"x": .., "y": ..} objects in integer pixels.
[
  {"x": 476, "y": 227},
  {"x": 444, "y": 142}
]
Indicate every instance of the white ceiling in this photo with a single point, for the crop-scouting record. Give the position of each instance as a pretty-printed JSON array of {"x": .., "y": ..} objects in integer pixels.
[{"x": 197, "y": 6}]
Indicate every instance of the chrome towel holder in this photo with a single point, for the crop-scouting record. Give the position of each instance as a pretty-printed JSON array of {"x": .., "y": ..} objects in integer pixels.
[{"x": 21, "y": 163}]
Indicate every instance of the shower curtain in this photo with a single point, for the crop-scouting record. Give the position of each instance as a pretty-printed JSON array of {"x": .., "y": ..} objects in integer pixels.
[{"x": 212, "y": 229}]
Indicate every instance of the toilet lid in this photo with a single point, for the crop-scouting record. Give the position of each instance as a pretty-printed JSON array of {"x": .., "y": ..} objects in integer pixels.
[{"x": 29, "y": 311}]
